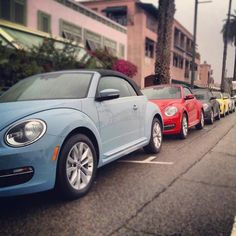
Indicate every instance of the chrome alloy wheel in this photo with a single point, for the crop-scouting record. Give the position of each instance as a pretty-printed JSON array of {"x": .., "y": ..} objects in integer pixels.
[
  {"x": 157, "y": 135},
  {"x": 212, "y": 117},
  {"x": 202, "y": 119},
  {"x": 79, "y": 165},
  {"x": 185, "y": 126}
]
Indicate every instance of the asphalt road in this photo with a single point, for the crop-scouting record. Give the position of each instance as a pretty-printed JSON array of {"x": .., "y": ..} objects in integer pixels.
[{"x": 187, "y": 189}]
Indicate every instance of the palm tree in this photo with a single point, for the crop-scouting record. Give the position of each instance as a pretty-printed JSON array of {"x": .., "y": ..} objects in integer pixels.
[
  {"x": 229, "y": 36},
  {"x": 163, "y": 51}
]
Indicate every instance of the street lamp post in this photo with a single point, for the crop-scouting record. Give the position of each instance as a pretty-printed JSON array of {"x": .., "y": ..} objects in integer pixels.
[{"x": 194, "y": 40}]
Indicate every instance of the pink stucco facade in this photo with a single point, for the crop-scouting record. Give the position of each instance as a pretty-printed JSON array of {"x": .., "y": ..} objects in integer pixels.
[
  {"x": 182, "y": 47},
  {"x": 205, "y": 75},
  {"x": 59, "y": 12},
  {"x": 138, "y": 32}
]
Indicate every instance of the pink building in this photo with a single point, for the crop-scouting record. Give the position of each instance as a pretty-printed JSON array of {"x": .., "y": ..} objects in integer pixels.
[
  {"x": 141, "y": 22},
  {"x": 70, "y": 20},
  {"x": 205, "y": 75},
  {"x": 181, "y": 55}
]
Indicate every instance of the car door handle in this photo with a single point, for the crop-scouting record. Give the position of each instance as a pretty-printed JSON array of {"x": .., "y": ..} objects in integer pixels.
[{"x": 135, "y": 107}]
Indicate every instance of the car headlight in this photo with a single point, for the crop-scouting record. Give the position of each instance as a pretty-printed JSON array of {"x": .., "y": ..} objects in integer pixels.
[
  {"x": 25, "y": 133},
  {"x": 171, "y": 111},
  {"x": 205, "y": 106}
]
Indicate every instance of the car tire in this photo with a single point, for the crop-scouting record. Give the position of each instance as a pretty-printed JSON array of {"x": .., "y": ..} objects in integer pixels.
[
  {"x": 211, "y": 120},
  {"x": 224, "y": 113},
  {"x": 76, "y": 168},
  {"x": 184, "y": 127},
  {"x": 227, "y": 113},
  {"x": 218, "y": 117},
  {"x": 200, "y": 125},
  {"x": 155, "y": 142}
]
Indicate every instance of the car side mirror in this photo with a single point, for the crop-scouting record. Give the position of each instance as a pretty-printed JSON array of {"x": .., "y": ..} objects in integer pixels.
[
  {"x": 108, "y": 94},
  {"x": 213, "y": 98},
  {"x": 189, "y": 96}
]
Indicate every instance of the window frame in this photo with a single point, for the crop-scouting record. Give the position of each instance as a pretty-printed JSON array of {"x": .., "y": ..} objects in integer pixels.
[
  {"x": 74, "y": 27},
  {"x": 121, "y": 79},
  {"x": 185, "y": 88},
  {"x": 40, "y": 15},
  {"x": 12, "y": 17}
]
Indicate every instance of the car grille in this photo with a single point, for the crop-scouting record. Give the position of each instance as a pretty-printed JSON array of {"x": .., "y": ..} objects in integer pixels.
[{"x": 15, "y": 176}]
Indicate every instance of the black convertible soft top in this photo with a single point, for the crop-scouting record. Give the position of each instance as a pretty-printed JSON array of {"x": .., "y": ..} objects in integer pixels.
[{"x": 103, "y": 72}]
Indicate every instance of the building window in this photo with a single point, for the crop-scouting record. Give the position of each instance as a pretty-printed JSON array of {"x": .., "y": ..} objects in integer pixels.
[
  {"x": 175, "y": 60},
  {"x": 93, "y": 41},
  {"x": 70, "y": 31},
  {"x": 122, "y": 51},
  {"x": 176, "y": 37},
  {"x": 79, "y": 8},
  {"x": 44, "y": 22},
  {"x": 13, "y": 10},
  {"x": 187, "y": 69},
  {"x": 117, "y": 14},
  {"x": 149, "y": 48},
  {"x": 110, "y": 46},
  {"x": 151, "y": 23},
  {"x": 178, "y": 61},
  {"x": 182, "y": 41}
]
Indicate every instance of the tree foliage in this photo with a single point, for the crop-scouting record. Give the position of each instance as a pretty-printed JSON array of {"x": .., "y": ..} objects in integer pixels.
[
  {"x": 16, "y": 64},
  {"x": 163, "y": 52},
  {"x": 230, "y": 35}
]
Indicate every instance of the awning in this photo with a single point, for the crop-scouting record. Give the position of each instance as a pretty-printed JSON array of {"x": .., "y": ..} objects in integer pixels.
[
  {"x": 148, "y": 7},
  {"x": 115, "y": 9},
  {"x": 21, "y": 37}
]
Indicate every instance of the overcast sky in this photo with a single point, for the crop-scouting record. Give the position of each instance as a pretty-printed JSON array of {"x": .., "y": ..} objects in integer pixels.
[{"x": 209, "y": 38}]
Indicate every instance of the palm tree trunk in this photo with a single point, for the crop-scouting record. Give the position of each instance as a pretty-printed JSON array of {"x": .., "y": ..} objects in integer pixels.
[
  {"x": 234, "y": 77},
  {"x": 163, "y": 50},
  {"x": 222, "y": 86}
]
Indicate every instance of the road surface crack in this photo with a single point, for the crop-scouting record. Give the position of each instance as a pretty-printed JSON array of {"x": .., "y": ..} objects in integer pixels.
[
  {"x": 169, "y": 185},
  {"x": 208, "y": 184}
]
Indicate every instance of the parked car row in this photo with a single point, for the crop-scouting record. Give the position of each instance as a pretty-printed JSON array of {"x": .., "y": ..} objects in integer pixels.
[{"x": 57, "y": 128}]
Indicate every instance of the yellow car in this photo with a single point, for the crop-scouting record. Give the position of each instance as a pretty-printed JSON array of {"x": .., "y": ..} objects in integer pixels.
[{"x": 224, "y": 102}]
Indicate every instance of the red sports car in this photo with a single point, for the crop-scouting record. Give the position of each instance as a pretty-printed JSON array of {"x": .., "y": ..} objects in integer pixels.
[{"x": 179, "y": 108}]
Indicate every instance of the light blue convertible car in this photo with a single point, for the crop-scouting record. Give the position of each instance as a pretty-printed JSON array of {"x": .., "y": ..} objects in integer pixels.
[{"x": 57, "y": 128}]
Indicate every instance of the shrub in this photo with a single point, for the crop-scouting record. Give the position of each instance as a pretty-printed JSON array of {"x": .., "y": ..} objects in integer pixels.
[{"x": 125, "y": 67}]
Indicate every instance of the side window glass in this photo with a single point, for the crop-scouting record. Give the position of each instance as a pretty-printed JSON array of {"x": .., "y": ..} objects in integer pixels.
[
  {"x": 186, "y": 92},
  {"x": 111, "y": 82}
]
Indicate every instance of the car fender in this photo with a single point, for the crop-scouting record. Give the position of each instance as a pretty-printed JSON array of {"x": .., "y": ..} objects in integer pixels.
[
  {"x": 62, "y": 121},
  {"x": 152, "y": 110}
]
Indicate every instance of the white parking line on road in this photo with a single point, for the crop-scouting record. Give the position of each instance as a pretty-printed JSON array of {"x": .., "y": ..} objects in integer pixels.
[
  {"x": 148, "y": 161},
  {"x": 233, "y": 233}
]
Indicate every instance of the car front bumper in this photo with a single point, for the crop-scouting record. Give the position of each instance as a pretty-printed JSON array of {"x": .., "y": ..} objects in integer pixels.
[
  {"x": 27, "y": 169},
  {"x": 172, "y": 125}
]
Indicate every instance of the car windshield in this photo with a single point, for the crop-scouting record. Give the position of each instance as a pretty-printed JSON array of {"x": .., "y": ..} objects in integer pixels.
[
  {"x": 200, "y": 95},
  {"x": 49, "y": 86},
  {"x": 162, "y": 93},
  {"x": 217, "y": 94}
]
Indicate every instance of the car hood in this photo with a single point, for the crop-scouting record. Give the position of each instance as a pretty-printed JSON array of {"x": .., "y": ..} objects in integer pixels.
[
  {"x": 167, "y": 102},
  {"x": 13, "y": 111},
  {"x": 204, "y": 101}
]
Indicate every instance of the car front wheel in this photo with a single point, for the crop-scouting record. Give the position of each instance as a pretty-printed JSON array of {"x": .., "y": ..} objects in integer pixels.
[
  {"x": 200, "y": 125},
  {"x": 76, "y": 167},
  {"x": 211, "y": 120},
  {"x": 155, "y": 142},
  {"x": 218, "y": 115},
  {"x": 184, "y": 127}
]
